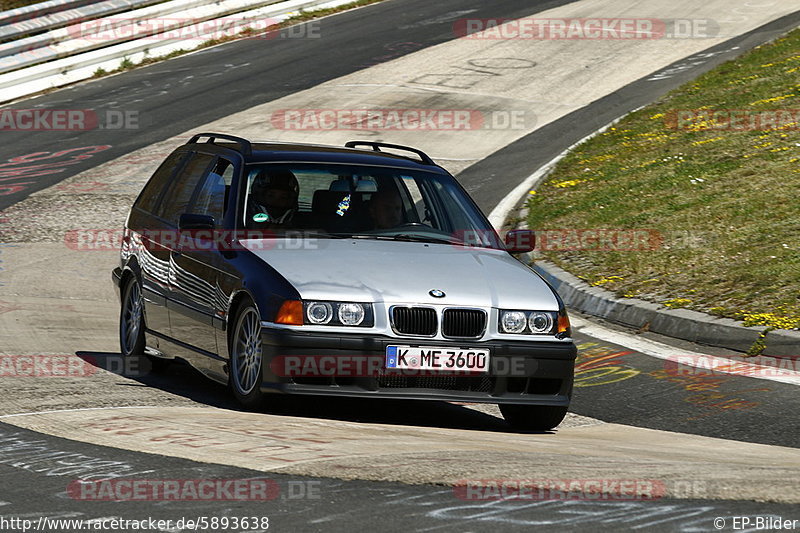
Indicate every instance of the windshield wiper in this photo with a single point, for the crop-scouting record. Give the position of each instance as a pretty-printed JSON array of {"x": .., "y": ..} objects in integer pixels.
[
  {"x": 424, "y": 238},
  {"x": 406, "y": 237}
]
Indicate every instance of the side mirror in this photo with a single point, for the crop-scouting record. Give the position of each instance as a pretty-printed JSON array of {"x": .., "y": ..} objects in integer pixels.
[
  {"x": 520, "y": 241},
  {"x": 191, "y": 221}
]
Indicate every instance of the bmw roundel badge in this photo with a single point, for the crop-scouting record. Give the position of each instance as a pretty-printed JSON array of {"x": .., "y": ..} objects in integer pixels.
[{"x": 436, "y": 293}]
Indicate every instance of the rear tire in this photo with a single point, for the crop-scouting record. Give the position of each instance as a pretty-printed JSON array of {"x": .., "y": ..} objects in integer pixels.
[
  {"x": 246, "y": 356},
  {"x": 533, "y": 417}
]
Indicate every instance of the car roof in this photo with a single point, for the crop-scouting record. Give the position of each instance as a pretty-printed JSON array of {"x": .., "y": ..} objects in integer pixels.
[{"x": 266, "y": 152}]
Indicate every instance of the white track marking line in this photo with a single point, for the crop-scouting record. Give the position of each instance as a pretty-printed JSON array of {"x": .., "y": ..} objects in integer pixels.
[
  {"x": 784, "y": 370},
  {"x": 85, "y": 409}
]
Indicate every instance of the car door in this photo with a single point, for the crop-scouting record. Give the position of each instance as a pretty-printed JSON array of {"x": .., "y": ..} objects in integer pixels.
[
  {"x": 195, "y": 262},
  {"x": 191, "y": 284},
  {"x": 145, "y": 228}
]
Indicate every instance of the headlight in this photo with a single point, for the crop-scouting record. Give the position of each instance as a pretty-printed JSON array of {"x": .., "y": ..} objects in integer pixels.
[
  {"x": 540, "y": 322},
  {"x": 319, "y": 312},
  {"x": 528, "y": 322},
  {"x": 351, "y": 314},
  {"x": 513, "y": 322},
  {"x": 338, "y": 314}
]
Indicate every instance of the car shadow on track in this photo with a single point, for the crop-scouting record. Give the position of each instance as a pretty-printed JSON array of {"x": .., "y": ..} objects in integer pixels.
[{"x": 181, "y": 379}]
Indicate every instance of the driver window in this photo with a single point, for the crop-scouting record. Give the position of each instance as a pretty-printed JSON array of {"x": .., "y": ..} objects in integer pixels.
[{"x": 421, "y": 210}]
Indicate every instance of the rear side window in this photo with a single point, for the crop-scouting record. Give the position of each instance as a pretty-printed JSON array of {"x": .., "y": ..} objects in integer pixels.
[
  {"x": 179, "y": 193},
  {"x": 152, "y": 190}
]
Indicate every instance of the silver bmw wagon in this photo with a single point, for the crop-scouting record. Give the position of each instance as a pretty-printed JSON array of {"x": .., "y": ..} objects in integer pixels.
[{"x": 364, "y": 270}]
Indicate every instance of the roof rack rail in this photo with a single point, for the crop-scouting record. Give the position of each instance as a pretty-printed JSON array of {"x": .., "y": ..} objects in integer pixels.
[
  {"x": 376, "y": 146},
  {"x": 245, "y": 145}
]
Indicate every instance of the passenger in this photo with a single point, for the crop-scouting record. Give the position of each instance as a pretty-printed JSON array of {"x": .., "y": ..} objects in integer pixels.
[
  {"x": 274, "y": 193},
  {"x": 386, "y": 209}
]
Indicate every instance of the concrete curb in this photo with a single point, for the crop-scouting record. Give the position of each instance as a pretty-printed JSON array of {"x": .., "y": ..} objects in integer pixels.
[{"x": 683, "y": 324}]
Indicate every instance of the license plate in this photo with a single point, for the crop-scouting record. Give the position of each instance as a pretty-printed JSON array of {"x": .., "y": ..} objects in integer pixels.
[{"x": 436, "y": 358}]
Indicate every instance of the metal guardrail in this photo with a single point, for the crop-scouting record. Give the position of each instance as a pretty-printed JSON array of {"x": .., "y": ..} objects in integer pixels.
[
  {"x": 47, "y": 46},
  {"x": 82, "y": 66},
  {"x": 16, "y": 27},
  {"x": 37, "y": 10}
]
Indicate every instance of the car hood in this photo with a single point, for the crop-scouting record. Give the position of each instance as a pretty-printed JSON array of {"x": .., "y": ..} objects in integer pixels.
[{"x": 399, "y": 272}]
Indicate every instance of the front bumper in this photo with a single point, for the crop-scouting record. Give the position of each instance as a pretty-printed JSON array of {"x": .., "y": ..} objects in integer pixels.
[{"x": 539, "y": 373}]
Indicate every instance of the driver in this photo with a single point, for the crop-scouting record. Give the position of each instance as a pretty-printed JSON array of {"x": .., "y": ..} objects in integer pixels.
[
  {"x": 274, "y": 194},
  {"x": 386, "y": 209}
]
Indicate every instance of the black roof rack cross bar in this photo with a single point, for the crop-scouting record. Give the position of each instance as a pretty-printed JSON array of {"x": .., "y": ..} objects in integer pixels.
[
  {"x": 377, "y": 147},
  {"x": 245, "y": 146}
]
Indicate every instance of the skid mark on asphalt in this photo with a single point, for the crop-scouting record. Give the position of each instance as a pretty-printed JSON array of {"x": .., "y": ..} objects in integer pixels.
[
  {"x": 577, "y": 514},
  {"x": 706, "y": 391},
  {"x": 600, "y": 364},
  {"x": 42, "y": 457},
  {"x": 17, "y": 171}
]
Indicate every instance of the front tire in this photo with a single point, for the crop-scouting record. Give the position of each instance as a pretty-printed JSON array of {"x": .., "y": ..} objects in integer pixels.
[
  {"x": 245, "y": 376},
  {"x": 131, "y": 320},
  {"x": 131, "y": 330},
  {"x": 533, "y": 417}
]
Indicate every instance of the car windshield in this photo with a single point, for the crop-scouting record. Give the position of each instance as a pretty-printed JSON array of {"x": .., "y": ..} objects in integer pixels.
[{"x": 369, "y": 202}]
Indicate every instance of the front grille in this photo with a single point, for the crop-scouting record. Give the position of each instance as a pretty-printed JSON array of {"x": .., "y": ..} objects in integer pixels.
[
  {"x": 483, "y": 384},
  {"x": 414, "y": 321},
  {"x": 466, "y": 323}
]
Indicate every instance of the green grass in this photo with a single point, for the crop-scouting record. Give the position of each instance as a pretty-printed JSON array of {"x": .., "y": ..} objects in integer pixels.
[{"x": 726, "y": 203}]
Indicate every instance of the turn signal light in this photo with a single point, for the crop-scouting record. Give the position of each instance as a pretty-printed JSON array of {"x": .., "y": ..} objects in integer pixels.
[
  {"x": 563, "y": 325},
  {"x": 291, "y": 313}
]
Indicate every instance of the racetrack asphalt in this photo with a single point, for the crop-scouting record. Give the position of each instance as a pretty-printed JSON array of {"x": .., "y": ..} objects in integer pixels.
[
  {"x": 736, "y": 408},
  {"x": 177, "y": 95}
]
